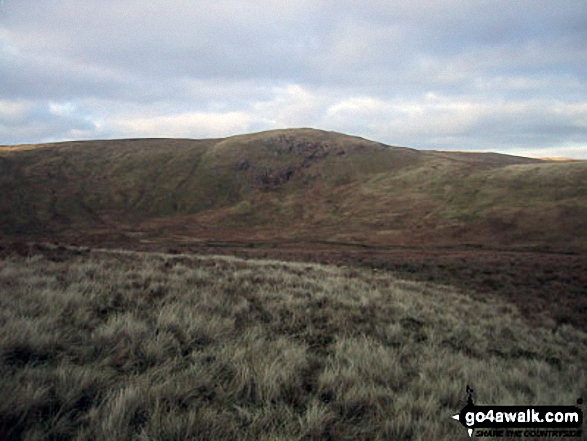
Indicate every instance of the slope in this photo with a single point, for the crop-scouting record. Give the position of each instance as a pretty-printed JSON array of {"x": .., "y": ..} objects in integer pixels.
[{"x": 291, "y": 185}]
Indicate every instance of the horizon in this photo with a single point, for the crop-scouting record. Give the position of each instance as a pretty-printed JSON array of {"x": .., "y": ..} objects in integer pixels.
[
  {"x": 32, "y": 145},
  {"x": 495, "y": 77}
]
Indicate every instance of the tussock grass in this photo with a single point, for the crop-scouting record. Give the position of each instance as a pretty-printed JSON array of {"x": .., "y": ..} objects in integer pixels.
[{"x": 124, "y": 345}]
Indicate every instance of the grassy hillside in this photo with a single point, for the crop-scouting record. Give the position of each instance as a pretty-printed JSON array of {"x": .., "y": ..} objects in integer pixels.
[
  {"x": 53, "y": 185},
  {"x": 302, "y": 184},
  {"x": 122, "y": 345}
]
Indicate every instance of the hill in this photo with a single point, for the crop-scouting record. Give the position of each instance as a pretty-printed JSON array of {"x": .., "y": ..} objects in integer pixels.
[{"x": 297, "y": 185}]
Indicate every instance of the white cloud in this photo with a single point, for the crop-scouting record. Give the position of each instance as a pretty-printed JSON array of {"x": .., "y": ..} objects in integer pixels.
[
  {"x": 12, "y": 110},
  {"x": 572, "y": 151},
  {"x": 357, "y": 106},
  {"x": 186, "y": 125},
  {"x": 290, "y": 106},
  {"x": 62, "y": 109}
]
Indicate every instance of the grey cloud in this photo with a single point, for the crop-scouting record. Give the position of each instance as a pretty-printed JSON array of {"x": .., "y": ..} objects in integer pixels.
[
  {"x": 43, "y": 123},
  {"x": 139, "y": 64},
  {"x": 201, "y": 39},
  {"x": 309, "y": 43}
]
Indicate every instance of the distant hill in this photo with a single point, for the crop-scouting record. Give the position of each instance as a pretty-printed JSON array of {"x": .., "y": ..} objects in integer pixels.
[{"x": 299, "y": 185}]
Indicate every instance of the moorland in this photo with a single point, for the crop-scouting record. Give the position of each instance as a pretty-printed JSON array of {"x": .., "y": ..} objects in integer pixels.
[{"x": 291, "y": 284}]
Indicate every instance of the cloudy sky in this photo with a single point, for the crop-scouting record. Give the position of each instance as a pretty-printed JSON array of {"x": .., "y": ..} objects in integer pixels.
[{"x": 507, "y": 76}]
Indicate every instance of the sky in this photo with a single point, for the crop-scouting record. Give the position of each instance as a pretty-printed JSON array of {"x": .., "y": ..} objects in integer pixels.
[{"x": 476, "y": 75}]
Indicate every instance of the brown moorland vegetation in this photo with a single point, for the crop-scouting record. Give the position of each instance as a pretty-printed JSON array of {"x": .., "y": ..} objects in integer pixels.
[
  {"x": 303, "y": 184},
  {"x": 107, "y": 344},
  {"x": 547, "y": 288}
]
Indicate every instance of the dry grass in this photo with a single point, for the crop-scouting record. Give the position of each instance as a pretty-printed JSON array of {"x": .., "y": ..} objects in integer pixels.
[{"x": 125, "y": 345}]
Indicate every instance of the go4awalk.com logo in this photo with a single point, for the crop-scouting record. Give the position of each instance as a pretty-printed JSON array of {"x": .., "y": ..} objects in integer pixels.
[{"x": 527, "y": 421}]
